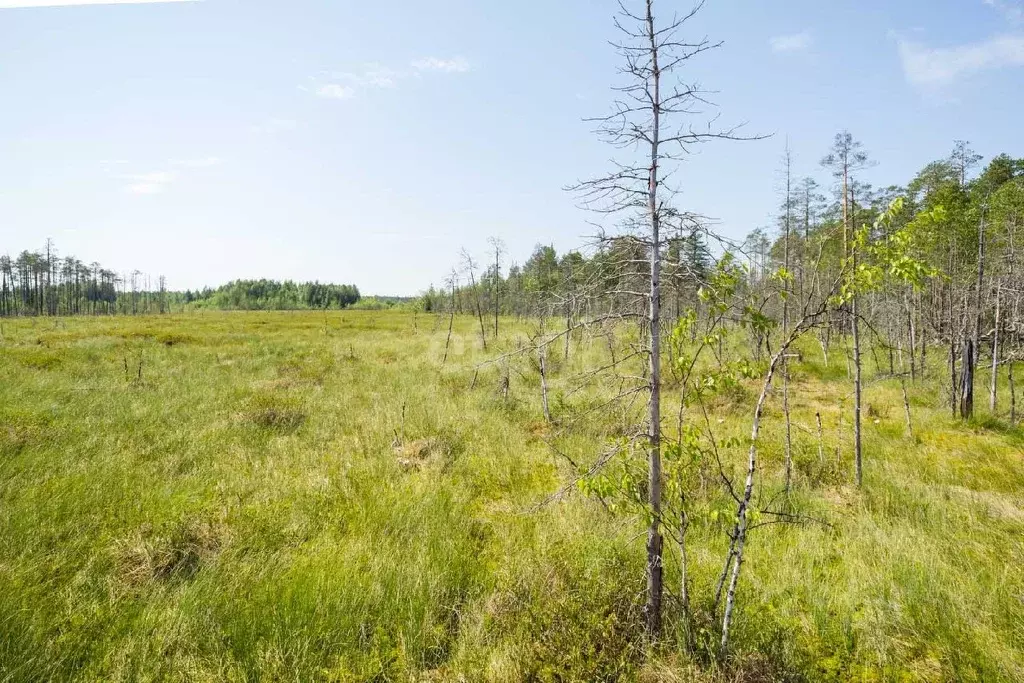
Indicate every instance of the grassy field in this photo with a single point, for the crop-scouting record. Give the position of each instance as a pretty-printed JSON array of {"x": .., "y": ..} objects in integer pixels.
[{"x": 301, "y": 496}]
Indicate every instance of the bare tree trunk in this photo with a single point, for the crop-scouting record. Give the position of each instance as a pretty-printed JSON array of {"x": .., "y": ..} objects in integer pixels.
[
  {"x": 740, "y": 529},
  {"x": 544, "y": 384},
  {"x": 650, "y": 54},
  {"x": 654, "y": 537},
  {"x": 906, "y": 400},
  {"x": 924, "y": 343},
  {"x": 789, "y": 430},
  {"x": 497, "y": 281},
  {"x": 976, "y": 347},
  {"x": 451, "y": 323},
  {"x": 953, "y": 384},
  {"x": 821, "y": 438},
  {"x": 967, "y": 381},
  {"x": 720, "y": 584},
  {"x": 785, "y": 331},
  {"x": 568, "y": 326},
  {"x": 971, "y": 347},
  {"x": 892, "y": 366},
  {"x": 995, "y": 356},
  {"x": 857, "y": 389},
  {"x": 911, "y": 338},
  {"x": 1013, "y": 394},
  {"x": 470, "y": 267},
  {"x": 480, "y": 317}
]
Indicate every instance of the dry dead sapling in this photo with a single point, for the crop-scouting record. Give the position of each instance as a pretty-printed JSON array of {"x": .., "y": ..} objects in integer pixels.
[{"x": 640, "y": 125}]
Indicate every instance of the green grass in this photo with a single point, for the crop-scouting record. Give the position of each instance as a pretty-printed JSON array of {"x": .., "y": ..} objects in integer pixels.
[{"x": 300, "y": 496}]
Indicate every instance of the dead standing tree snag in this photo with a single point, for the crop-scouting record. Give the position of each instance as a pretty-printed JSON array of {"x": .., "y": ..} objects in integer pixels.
[
  {"x": 499, "y": 249},
  {"x": 643, "y": 124},
  {"x": 469, "y": 266},
  {"x": 846, "y": 157},
  {"x": 452, "y": 282}
]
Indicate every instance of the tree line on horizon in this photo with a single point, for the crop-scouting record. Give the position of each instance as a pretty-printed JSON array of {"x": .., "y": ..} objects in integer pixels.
[
  {"x": 550, "y": 284},
  {"x": 42, "y": 283},
  {"x": 971, "y": 297},
  {"x": 278, "y": 295}
]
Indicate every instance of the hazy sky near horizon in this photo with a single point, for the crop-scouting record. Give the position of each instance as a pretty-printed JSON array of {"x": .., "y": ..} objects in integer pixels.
[{"x": 343, "y": 141}]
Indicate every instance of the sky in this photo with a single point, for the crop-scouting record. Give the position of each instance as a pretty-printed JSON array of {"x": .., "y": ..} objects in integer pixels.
[{"x": 370, "y": 142}]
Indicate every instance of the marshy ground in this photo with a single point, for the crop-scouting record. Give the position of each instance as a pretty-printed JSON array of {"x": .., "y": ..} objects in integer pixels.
[{"x": 310, "y": 496}]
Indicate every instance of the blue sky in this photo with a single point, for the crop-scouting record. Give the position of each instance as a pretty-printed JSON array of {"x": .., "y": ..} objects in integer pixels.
[{"x": 369, "y": 142}]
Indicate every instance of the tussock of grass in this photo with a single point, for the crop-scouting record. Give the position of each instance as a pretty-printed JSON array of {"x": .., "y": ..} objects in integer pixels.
[
  {"x": 177, "y": 551},
  {"x": 419, "y": 453},
  {"x": 174, "y": 338},
  {"x": 274, "y": 412}
]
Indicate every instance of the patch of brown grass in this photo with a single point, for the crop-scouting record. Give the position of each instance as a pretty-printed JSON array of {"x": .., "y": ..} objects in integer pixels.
[
  {"x": 418, "y": 453},
  {"x": 178, "y": 551}
]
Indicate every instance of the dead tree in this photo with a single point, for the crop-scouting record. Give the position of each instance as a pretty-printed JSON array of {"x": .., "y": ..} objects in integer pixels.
[
  {"x": 821, "y": 438},
  {"x": 847, "y": 156},
  {"x": 906, "y": 398},
  {"x": 640, "y": 122},
  {"x": 973, "y": 347},
  {"x": 453, "y": 280},
  {"x": 499, "y": 248},
  {"x": 470, "y": 267},
  {"x": 967, "y": 381},
  {"x": 1013, "y": 393},
  {"x": 542, "y": 351},
  {"x": 994, "y": 385},
  {"x": 787, "y": 216}
]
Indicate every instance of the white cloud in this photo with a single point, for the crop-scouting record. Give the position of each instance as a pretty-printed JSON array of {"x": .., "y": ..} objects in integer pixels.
[
  {"x": 12, "y": 4},
  {"x": 796, "y": 42},
  {"x": 376, "y": 76},
  {"x": 150, "y": 183},
  {"x": 372, "y": 76},
  {"x": 1013, "y": 10},
  {"x": 156, "y": 182},
  {"x": 941, "y": 66},
  {"x": 456, "y": 65},
  {"x": 335, "y": 91},
  {"x": 347, "y": 84}
]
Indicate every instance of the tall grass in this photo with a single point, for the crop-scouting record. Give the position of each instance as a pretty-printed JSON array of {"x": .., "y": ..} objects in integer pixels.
[{"x": 301, "y": 496}]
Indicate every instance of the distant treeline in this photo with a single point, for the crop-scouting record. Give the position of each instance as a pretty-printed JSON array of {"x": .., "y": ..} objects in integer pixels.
[
  {"x": 986, "y": 205},
  {"x": 272, "y": 295},
  {"x": 42, "y": 283},
  {"x": 549, "y": 283}
]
